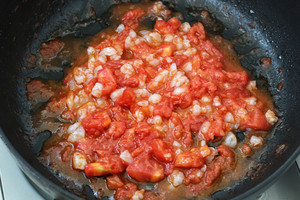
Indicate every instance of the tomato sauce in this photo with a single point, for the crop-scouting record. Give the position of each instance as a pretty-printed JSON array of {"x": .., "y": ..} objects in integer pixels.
[{"x": 152, "y": 113}]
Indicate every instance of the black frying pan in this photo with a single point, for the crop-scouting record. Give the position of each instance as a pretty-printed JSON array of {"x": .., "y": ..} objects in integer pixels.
[{"x": 257, "y": 29}]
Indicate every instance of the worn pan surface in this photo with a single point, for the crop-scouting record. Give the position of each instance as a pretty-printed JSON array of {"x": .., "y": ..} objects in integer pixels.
[{"x": 257, "y": 29}]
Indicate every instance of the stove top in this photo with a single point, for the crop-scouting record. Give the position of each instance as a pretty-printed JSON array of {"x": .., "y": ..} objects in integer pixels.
[{"x": 16, "y": 187}]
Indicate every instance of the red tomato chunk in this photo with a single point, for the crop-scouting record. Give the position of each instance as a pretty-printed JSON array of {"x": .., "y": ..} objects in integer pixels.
[{"x": 95, "y": 123}]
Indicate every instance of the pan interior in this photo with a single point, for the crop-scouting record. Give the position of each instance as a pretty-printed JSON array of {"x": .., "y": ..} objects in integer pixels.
[{"x": 252, "y": 28}]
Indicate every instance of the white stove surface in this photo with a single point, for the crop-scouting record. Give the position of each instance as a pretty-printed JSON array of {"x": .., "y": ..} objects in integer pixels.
[{"x": 16, "y": 187}]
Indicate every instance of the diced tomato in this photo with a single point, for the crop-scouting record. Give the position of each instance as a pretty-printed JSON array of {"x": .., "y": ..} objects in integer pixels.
[
  {"x": 114, "y": 181},
  {"x": 133, "y": 16},
  {"x": 196, "y": 33},
  {"x": 85, "y": 145},
  {"x": 171, "y": 26},
  {"x": 143, "y": 129},
  {"x": 114, "y": 64},
  {"x": 108, "y": 164},
  {"x": 105, "y": 43},
  {"x": 89, "y": 86},
  {"x": 127, "y": 98},
  {"x": 216, "y": 129},
  {"x": 123, "y": 35},
  {"x": 176, "y": 127},
  {"x": 174, "y": 23},
  {"x": 127, "y": 81},
  {"x": 212, "y": 173},
  {"x": 189, "y": 159},
  {"x": 184, "y": 100},
  {"x": 236, "y": 93},
  {"x": 225, "y": 151},
  {"x": 256, "y": 121},
  {"x": 164, "y": 108},
  {"x": 115, "y": 163},
  {"x": 166, "y": 49},
  {"x": 179, "y": 59},
  {"x": 117, "y": 129},
  {"x": 241, "y": 78},
  {"x": 151, "y": 72},
  {"x": 197, "y": 86},
  {"x": 127, "y": 141},
  {"x": 192, "y": 176},
  {"x": 163, "y": 27},
  {"x": 126, "y": 192},
  {"x": 194, "y": 123},
  {"x": 118, "y": 114},
  {"x": 187, "y": 139},
  {"x": 96, "y": 122},
  {"x": 162, "y": 150},
  {"x": 145, "y": 169},
  {"x": 196, "y": 83},
  {"x": 107, "y": 79},
  {"x": 141, "y": 50},
  {"x": 211, "y": 49},
  {"x": 96, "y": 169}
]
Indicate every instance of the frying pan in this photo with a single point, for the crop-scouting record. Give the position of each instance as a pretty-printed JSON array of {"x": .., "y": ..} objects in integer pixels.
[{"x": 257, "y": 29}]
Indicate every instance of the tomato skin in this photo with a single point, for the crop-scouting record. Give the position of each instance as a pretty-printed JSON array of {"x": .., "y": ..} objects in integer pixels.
[
  {"x": 116, "y": 129},
  {"x": 127, "y": 99},
  {"x": 107, "y": 79},
  {"x": 95, "y": 123},
  {"x": 189, "y": 159},
  {"x": 146, "y": 169},
  {"x": 164, "y": 108},
  {"x": 256, "y": 121},
  {"x": 196, "y": 33},
  {"x": 162, "y": 151}
]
